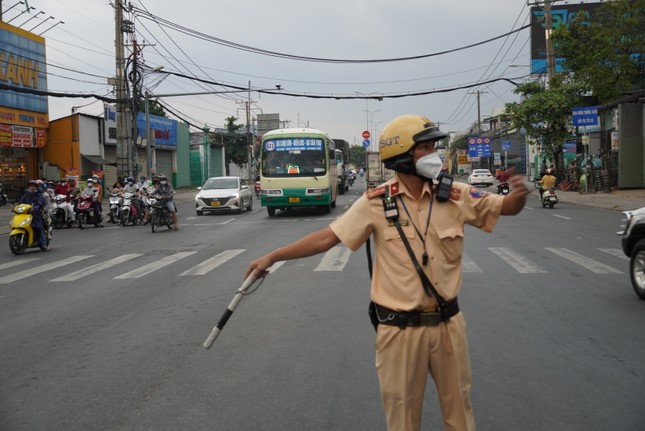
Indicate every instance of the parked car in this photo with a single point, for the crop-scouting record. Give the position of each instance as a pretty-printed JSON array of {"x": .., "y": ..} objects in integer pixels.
[
  {"x": 633, "y": 242},
  {"x": 223, "y": 194},
  {"x": 481, "y": 177}
]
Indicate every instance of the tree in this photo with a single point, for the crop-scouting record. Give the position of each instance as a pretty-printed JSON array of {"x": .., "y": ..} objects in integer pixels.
[
  {"x": 545, "y": 113},
  {"x": 358, "y": 155},
  {"x": 235, "y": 143},
  {"x": 606, "y": 52},
  {"x": 154, "y": 108}
]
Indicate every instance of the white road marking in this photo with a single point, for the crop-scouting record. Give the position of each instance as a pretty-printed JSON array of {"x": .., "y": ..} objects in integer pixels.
[
  {"x": 558, "y": 215},
  {"x": 211, "y": 263},
  {"x": 98, "y": 267},
  {"x": 519, "y": 263},
  {"x": 468, "y": 265},
  {"x": 276, "y": 266},
  {"x": 151, "y": 267},
  {"x": 42, "y": 268},
  {"x": 17, "y": 262},
  {"x": 616, "y": 252},
  {"x": 592, "y": 265},
  {"x": 335, "y": 259}
]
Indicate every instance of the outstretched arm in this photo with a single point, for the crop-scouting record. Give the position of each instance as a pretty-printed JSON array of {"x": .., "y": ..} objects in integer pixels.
[
  {"x": 314, "y": 243},
  {"x": 516, "y": 199}
]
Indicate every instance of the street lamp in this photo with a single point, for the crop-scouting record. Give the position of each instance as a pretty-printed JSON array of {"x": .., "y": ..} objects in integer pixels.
[{"x": 367, "y": 112}]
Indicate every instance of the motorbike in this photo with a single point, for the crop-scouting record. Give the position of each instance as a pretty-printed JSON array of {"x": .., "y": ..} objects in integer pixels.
[
  {"x": 503, "y": 188},
  {"x": 350, "y": 179},
  {"x": 549, "y": 198},
  {"x": 159, "y": 215},
  {"x": 85, "y": 213},
  {"x": 257, "y": 189},
  {"x": 59, "y": 215},
  {"x": 128, "y": 212},
  {"x": 115, "y": 200},
  {"x": 3, "y": 196},
  {"x": 22, "y": 235}
]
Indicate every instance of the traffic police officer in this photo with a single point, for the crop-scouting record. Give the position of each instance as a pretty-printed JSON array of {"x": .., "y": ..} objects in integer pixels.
[{"x": 429, "y": 342}]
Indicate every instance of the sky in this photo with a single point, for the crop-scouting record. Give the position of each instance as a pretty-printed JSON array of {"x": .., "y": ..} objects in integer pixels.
[{"x": 81, "y": 57}]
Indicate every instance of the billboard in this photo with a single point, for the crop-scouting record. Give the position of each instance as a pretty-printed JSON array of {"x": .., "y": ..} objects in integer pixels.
[
  {"x": 561, "y": 15},
  {"x": 22, "y": 65}
]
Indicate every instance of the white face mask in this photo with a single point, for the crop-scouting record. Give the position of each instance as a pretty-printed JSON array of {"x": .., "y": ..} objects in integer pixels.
[
  {"x": 163, "y": 182},
  {"x": 429, "y": 166}
]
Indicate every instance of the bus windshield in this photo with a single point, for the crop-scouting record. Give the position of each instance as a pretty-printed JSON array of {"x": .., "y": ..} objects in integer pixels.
[{"x": 293, "y": 157}]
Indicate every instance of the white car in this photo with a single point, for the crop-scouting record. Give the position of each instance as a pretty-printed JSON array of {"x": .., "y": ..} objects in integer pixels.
[
  {"x": 224, "y": 194},
  {"x": 481, "y": 177}
]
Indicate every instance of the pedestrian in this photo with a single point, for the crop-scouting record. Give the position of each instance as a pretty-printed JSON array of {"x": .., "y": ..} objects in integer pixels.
[{"x": 418, "y": 332}]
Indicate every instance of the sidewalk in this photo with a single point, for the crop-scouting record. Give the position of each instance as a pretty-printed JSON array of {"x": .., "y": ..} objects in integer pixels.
[{"x": 618, "y": 200}]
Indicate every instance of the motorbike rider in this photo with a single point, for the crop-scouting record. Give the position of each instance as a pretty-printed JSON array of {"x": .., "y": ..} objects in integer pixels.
[
  {"x": 547, "y": 182},
  {"x": 502, "y": 177},
  {"x": 131, "y": 187},
  {"x": 165, "y": 189},
  {"x": 35, "y": 198},
  {"x": 64, "y": 188},
  {"x": 92, "y": 190},
  {"x": 99, "y": 192}
]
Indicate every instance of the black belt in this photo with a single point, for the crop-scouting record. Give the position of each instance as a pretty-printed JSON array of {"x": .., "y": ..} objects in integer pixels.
[{"x": 403, "y": 319}]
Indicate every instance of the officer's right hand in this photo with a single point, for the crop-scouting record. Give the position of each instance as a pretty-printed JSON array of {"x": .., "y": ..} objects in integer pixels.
[{"x": 261, "y": 266}]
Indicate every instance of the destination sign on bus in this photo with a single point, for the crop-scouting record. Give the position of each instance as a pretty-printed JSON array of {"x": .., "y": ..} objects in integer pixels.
[{"x": 294, "y": 144}]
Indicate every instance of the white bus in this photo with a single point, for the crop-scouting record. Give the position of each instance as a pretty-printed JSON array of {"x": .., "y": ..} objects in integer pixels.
[{"x": 297, "y": 169}]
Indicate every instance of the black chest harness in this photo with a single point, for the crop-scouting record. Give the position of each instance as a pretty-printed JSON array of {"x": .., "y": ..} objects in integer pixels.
[{"x": 379, "y": 314}]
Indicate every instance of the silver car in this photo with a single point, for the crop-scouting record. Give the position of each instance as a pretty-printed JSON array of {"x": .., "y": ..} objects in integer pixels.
[{"x": 223, "y": 194}]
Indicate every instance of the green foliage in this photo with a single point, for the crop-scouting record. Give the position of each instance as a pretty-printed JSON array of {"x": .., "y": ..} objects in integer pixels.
[
  {"x": 606, "y": 52},
  {"x": 235, "y": 142},
  {"x": 545, "y": 113},
  {"x": 358, "y": 155},
  {"x": 154, "y": 108}
]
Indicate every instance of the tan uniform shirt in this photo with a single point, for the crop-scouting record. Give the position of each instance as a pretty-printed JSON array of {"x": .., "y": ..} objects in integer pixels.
[{"x": 395, "y": 282}]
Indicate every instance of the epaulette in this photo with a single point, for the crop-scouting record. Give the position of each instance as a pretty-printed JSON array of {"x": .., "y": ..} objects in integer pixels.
[{"x": 382, "y": 189}]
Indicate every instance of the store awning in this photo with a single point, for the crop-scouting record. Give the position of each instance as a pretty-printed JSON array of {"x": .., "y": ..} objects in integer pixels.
[{"x": 98, "y": 160}]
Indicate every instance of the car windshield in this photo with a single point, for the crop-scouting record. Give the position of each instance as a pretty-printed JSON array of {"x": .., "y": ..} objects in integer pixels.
[
  {"x": 220, "y": 183},
  {"x": 481, "y": 171}
]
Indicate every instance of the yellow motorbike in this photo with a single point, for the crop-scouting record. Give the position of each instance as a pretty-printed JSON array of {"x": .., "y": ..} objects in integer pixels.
[{"x": 22, "y": 235}]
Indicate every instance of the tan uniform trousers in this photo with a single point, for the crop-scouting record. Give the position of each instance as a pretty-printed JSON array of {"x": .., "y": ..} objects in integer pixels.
[{"x": 404, "y": 357}]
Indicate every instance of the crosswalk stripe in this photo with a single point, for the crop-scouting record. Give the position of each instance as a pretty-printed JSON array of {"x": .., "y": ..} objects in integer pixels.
[
  {"x": 519, "y": 263},
  {"x": 588, "y": 263},
  {"x": 96, "y": 268},
  {"x": 17, "y": 262},
  {"x": 147, "y": 269},
  {"x": 616, "y": 252},
  {"x": 41, "y": 268},
  {"x": 212, "y": 263},
  {"x": 468, "y": 265},
  {"x": 335, "y": 259}
]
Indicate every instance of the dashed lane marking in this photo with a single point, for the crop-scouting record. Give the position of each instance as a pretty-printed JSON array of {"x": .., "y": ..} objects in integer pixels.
[
  {"x": 588, "y": 263},
  {"x": 109, "y": 264},
  {"x": 211, "y": 263},
  {"x": 41, "y": 268},
  {"x": 151, "y": 267}
]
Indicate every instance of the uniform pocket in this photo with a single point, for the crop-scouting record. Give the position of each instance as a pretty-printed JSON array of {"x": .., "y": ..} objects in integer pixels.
[{"x": 451, "y": 242}]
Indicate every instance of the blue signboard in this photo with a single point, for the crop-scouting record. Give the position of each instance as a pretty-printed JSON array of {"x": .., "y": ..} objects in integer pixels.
[
  {"x": 479, "y": 146},
  {"x": 506, "y": 145},
  {"x": 587, "y": 116},
  {"x": 164, "y": 130},
  {"x": 294, "y": 144},
  {"x": 366, "y": 143}
]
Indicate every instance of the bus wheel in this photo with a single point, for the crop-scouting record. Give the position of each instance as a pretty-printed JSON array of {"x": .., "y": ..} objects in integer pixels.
[
  {"x": 271, "y": 211},
  {"x": 326, "y": 208},
  {"x": 333, "y": 204}
]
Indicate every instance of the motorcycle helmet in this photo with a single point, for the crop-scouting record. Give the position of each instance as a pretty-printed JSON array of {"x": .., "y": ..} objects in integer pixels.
[
  {"x": 400, "y": 136},
  {"x": 95, "y": 178},
  {"x": 32, "y": 183},
  {"x": 90, "y": 181}
]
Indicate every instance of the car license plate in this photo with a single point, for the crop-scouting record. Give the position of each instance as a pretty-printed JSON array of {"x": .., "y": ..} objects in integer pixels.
[
  {"x": 294, "y": 200},
  {"x": 214, "y": 203},
  {"x": 551, "y": 198}
]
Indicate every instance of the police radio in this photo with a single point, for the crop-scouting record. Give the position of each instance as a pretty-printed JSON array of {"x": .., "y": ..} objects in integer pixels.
[
  {"x": 389, "y": 206},
  {"x": 444, "y": 186}
]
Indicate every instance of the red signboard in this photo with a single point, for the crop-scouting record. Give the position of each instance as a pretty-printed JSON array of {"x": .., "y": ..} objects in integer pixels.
[{"x": 366, "y": 134}]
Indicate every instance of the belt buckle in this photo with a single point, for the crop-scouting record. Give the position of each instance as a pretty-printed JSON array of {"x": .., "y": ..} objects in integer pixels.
[{"x": 412, "y": 319}]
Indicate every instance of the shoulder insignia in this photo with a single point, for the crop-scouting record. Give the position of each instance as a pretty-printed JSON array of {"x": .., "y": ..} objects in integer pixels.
[
  {"x": 394, "y": 188},
  {"x": 477, "y": 193},
  {"x": 455, "y": 194},
  {"x": 372, "y": 193}
]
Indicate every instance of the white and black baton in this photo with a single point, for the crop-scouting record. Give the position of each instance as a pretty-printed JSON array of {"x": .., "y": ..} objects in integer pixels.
[{"x": 230, "y": 309}]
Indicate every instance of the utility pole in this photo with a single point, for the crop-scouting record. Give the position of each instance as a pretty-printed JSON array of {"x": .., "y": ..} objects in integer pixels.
[
  {"x": 122, "y": 146},
  {"x": 479, "y": 112},
  {"x": 548, "y": 29}
]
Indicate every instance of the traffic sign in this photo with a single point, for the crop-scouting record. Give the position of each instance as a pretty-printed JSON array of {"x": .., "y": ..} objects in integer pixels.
[
  {"x": 366, "y": 143},
  {"x": 366, "y": 134}
]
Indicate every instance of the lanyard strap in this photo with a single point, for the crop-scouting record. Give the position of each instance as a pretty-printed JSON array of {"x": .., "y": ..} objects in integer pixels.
[{"x": 421, "y": 237}]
